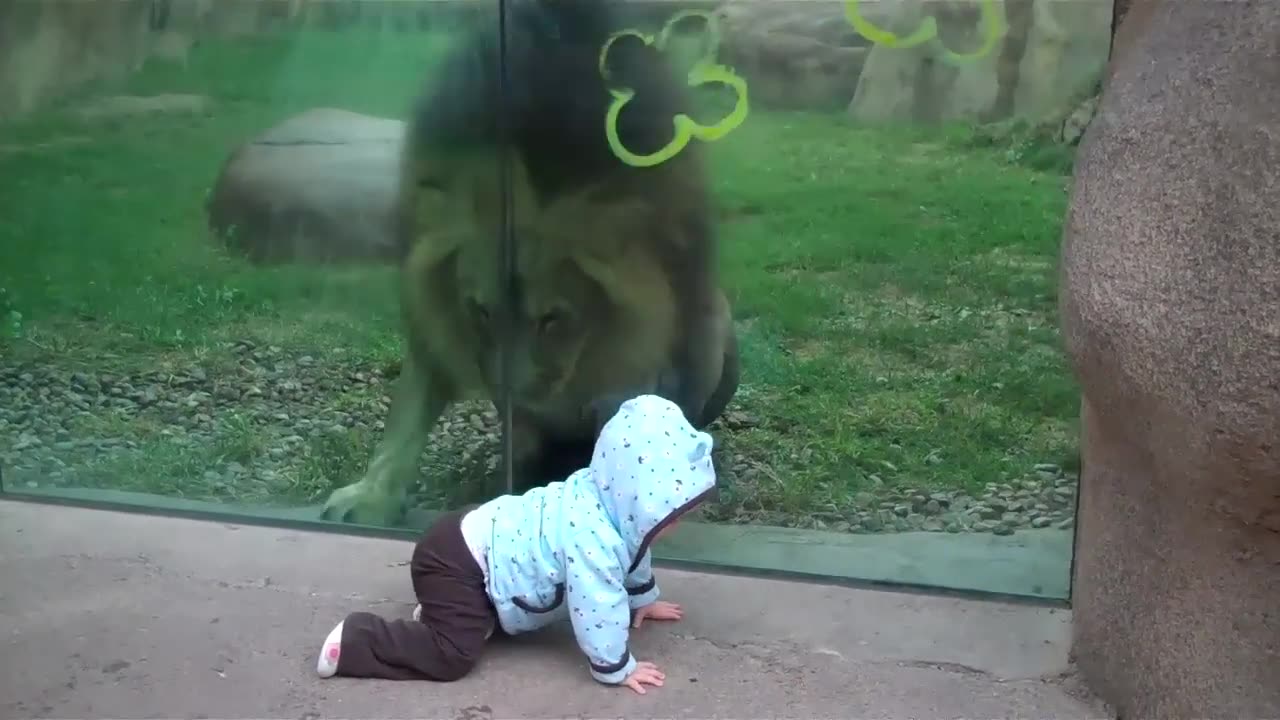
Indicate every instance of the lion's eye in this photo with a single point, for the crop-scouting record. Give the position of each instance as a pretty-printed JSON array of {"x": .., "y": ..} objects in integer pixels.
[{"x": 550, "y": 321}]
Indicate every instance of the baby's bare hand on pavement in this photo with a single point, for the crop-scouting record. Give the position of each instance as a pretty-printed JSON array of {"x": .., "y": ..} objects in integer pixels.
[
  {"x": 646, "y": 673},
  {"x": 660, "y": 610}
]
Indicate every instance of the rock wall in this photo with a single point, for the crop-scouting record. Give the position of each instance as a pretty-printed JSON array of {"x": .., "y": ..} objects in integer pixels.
[
  {"x": 1051, "y": 53},
  {"x": 48, "y": 46},
  {"x": 805, "y": 54},
  {"x": 795, "y": 54},
  {"x": 1171, "y": 318}
]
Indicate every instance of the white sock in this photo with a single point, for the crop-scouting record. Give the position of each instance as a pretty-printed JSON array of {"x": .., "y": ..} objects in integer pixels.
[{"x": 327, "y": 665}]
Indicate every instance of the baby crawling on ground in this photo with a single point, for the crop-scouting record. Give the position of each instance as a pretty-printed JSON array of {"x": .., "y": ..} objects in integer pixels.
[{"x": 578, "y": 548}]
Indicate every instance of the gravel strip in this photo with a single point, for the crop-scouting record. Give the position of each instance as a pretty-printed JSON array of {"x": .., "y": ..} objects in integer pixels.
[{"x": 271, "y": 425}]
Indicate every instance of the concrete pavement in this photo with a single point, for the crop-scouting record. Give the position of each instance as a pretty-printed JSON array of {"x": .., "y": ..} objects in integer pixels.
[{"x": 116, "y": 615}]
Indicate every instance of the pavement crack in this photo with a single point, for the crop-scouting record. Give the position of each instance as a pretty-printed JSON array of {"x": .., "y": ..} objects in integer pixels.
[
  {"x": 768, "y": 652},
  {"x": 945, "y": 666},
  {"x": 718, "y": 644}
]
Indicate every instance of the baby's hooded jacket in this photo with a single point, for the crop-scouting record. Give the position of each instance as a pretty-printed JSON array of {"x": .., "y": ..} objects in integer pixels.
[{"x": 580, "y": 547}]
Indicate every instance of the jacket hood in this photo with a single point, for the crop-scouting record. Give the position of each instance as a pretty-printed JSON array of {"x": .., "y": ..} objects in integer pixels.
[{"x": 650, "y": 466}]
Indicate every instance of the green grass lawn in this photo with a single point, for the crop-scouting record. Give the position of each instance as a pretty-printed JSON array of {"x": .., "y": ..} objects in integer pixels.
[{"x": 895, "y": 291}]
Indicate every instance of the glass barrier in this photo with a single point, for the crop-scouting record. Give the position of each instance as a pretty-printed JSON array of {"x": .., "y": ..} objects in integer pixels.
[
  {"x": 827, "y": 230},
  {"x": 198, "y": 265}
]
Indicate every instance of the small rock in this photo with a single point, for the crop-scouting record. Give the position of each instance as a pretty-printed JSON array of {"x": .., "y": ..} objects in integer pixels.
[
  {"x": 1041, "y": 522},
  {"x": 26, "y": 441},
  {"x": 737, "y": 420},
  {"x": 1003, "y": 529}
]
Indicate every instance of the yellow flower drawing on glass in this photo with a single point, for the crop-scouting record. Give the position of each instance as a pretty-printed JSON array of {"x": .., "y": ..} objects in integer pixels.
[
  {"x": 993, "y": 29},
  {"x": 704, "y": 71}
]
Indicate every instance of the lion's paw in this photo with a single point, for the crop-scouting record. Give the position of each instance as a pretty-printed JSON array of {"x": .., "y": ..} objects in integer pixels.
[{"x": 365, "y": 503}]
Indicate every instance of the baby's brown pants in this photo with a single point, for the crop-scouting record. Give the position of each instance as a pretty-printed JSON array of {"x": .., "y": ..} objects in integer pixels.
[{"x": 457, "y": 616}]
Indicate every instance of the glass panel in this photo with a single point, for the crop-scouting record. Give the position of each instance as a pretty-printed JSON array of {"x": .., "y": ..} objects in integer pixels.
[
  {"x": 873, "y": 192},
  {"x": 204, "y": 210},
  {"x": 878, "y": 189}
]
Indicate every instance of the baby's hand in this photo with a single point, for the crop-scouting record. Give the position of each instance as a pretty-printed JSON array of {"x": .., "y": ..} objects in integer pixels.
[
  {"x": 646, "y": 673},
  {"x": 659, "y": 610}
]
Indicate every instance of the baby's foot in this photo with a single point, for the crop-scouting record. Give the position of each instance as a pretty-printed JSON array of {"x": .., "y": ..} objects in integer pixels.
[{"x": 327, "y": 665}]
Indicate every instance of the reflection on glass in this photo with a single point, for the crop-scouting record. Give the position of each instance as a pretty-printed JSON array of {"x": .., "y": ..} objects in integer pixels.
[
  {"x": 197, "y": 265},
  {"x": 848, "y": 276},
  {"x": 884, "y": 223}
]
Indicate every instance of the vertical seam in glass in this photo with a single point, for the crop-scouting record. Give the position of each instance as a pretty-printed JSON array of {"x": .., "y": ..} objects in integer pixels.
[{"x": 506, "y": 262}]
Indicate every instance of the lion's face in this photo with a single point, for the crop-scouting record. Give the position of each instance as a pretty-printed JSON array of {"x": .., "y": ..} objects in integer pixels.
[
  {"x": 560, "y": 304},
  {"x": 555, "y": 312}
]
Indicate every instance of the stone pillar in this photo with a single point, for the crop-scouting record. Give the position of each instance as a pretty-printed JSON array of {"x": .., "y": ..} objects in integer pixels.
[{"x": 1171, "y": 316}]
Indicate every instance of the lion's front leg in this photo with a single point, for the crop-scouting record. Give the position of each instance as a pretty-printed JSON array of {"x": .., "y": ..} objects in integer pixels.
[{"x": 379, "y": 498}]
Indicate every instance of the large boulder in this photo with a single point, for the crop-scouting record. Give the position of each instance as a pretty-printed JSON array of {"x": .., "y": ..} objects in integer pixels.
[
  {"x": 1171, "y": 316},
  {"x": 317, "y": 188},
  {"x": 1051, "y": 54}
]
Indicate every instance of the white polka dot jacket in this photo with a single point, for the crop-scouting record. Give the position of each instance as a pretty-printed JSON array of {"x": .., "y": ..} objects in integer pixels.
[{"x": 580, "y": 547}]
